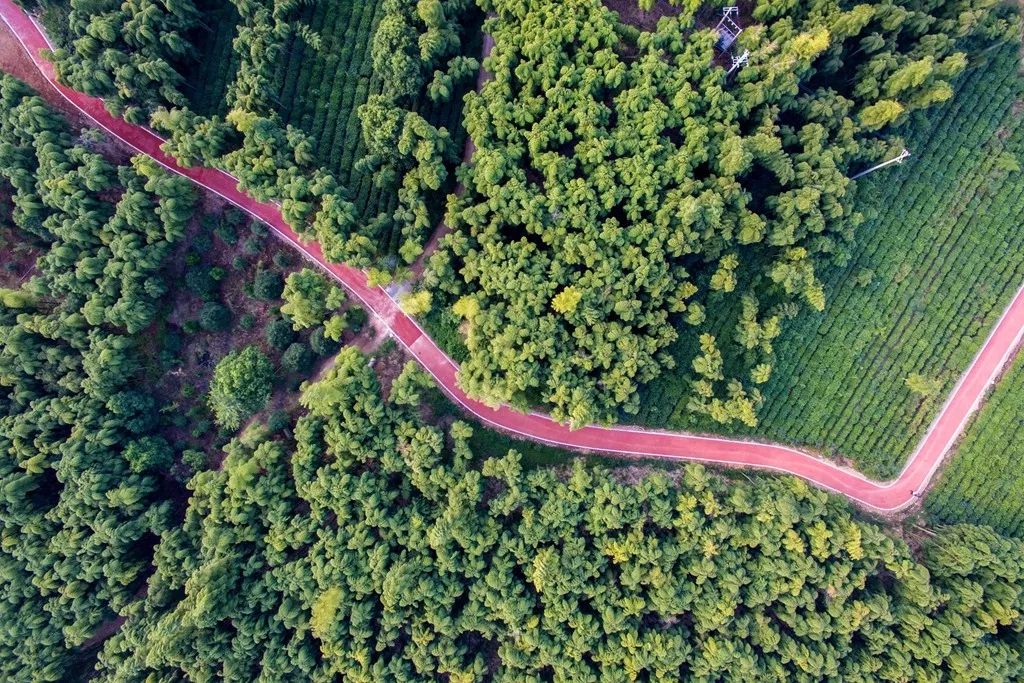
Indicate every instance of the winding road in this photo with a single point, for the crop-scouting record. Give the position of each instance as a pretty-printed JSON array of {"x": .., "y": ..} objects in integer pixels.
[{"x": 880, "y": 496}]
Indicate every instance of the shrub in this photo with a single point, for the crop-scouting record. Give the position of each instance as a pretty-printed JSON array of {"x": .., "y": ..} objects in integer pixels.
[
  {"x": 417, "y": 303},
  {"x": 240, "y": 387},
  {"x": 247, "y": 321},
  {"x": 983, "y": 483},
  {"x": 150, "y": 453},
  {"x": 297, "y": 358},
  {"x": 198, "y": 280},
  {"x": 283, "y": 260},
  {"x": 202, "y": 244},
  {"x": 357, "y": 318},
  {"x": 227, "y": 233},
  {"x": 334, "y": 328},
  {"x": 279, "y": 334},
  {"x": 321, "y": 344},
  {"x": 235, "y": 217},
  {"x": 310, "y": 298},
  {"x": 278, "y": 421},
  {"x": 251, "y": 246},
  {"x": 267, "y": 284},
  {"x": 194, "y": 459},
  {"x": 214, "y": 317}
]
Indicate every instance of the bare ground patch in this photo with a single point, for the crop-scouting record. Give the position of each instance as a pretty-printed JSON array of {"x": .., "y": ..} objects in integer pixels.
[
  {"x": 630, "y": 13},
  {"x": 17, "y": 252},
  {"x": 182, "y": 380}
]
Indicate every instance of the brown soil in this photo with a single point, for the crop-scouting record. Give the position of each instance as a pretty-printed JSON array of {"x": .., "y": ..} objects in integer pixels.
[
  {"x": 19, "y": 263},
  {"x": 17, "y": 253},
  {"x": 388, "y": 363},
  {"x": 15, "y": 61},
  {"x": 371, "y": 336},
  {"x": 630, "y": 13}
]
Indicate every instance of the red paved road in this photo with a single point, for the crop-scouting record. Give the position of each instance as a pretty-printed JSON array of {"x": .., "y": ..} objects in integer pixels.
[{"x": 882, "y": 496}]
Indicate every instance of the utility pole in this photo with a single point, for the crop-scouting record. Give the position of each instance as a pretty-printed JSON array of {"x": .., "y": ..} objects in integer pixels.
[{"x": 897, "y": 160}]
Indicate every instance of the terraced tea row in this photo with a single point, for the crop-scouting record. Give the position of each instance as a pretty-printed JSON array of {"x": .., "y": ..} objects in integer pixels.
[{"x": 983, "y": 483}]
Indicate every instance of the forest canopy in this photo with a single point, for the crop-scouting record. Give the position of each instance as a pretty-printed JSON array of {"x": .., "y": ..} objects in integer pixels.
[
  {"x": 622, "y": 181},
  {"x": 376, "y": 548},
  {"x": 81, "y": 462},
  {"x": 625, "y": 185}
]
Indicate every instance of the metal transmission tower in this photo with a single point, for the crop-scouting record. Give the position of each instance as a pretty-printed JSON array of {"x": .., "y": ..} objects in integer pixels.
[
  {"x": 728, "y": 30},
  {"x": 738, "y": 61},
  {"x": 897, "y": 160}
]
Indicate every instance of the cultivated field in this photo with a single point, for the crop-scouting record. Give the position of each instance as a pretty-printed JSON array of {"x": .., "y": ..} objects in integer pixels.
[
  {"x": 983, "y": 482},
  {"x": 207, "y": 79},
  {"x": 944, "y": 255}
]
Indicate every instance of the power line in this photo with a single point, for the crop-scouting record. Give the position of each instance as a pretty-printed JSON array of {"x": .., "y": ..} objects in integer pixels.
[{"x": 896, "y": 160}]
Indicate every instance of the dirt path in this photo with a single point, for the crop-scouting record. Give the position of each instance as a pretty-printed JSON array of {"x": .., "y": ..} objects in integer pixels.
[{"x": 880, "y": 496}]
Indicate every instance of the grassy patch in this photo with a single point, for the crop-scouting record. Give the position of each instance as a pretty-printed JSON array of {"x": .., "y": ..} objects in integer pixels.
[{"x": 443, "y": 327}]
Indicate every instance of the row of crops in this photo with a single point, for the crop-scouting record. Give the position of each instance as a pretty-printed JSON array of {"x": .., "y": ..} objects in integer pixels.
[
  {"x": 944, "y": 253},
  {"x": 983, "y": 483},
  {"x": 320, "y": 90},
  {"x": 207, "y": 79}
]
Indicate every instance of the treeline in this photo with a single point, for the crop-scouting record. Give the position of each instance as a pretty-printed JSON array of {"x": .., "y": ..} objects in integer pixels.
[
  {"x": 371, "y": 547},
  {"x": 81, "y": 461},
  {"x": 622, "y": 185},
  {"x": 128, "y": 53}
]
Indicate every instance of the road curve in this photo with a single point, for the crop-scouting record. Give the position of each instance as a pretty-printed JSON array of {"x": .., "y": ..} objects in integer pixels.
[{"x": 880, "y": 496}]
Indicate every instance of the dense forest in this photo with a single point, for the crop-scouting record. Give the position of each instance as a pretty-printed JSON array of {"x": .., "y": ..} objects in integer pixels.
[
  {"x": 611, "y": 151},
  {"x": 623, "y": 180},
  {"x": 936, "y": 262},
  {"x": 135, "y": 54},
  {"x": 81, "y": 464},
  {"x": 377, "y": 548}
]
